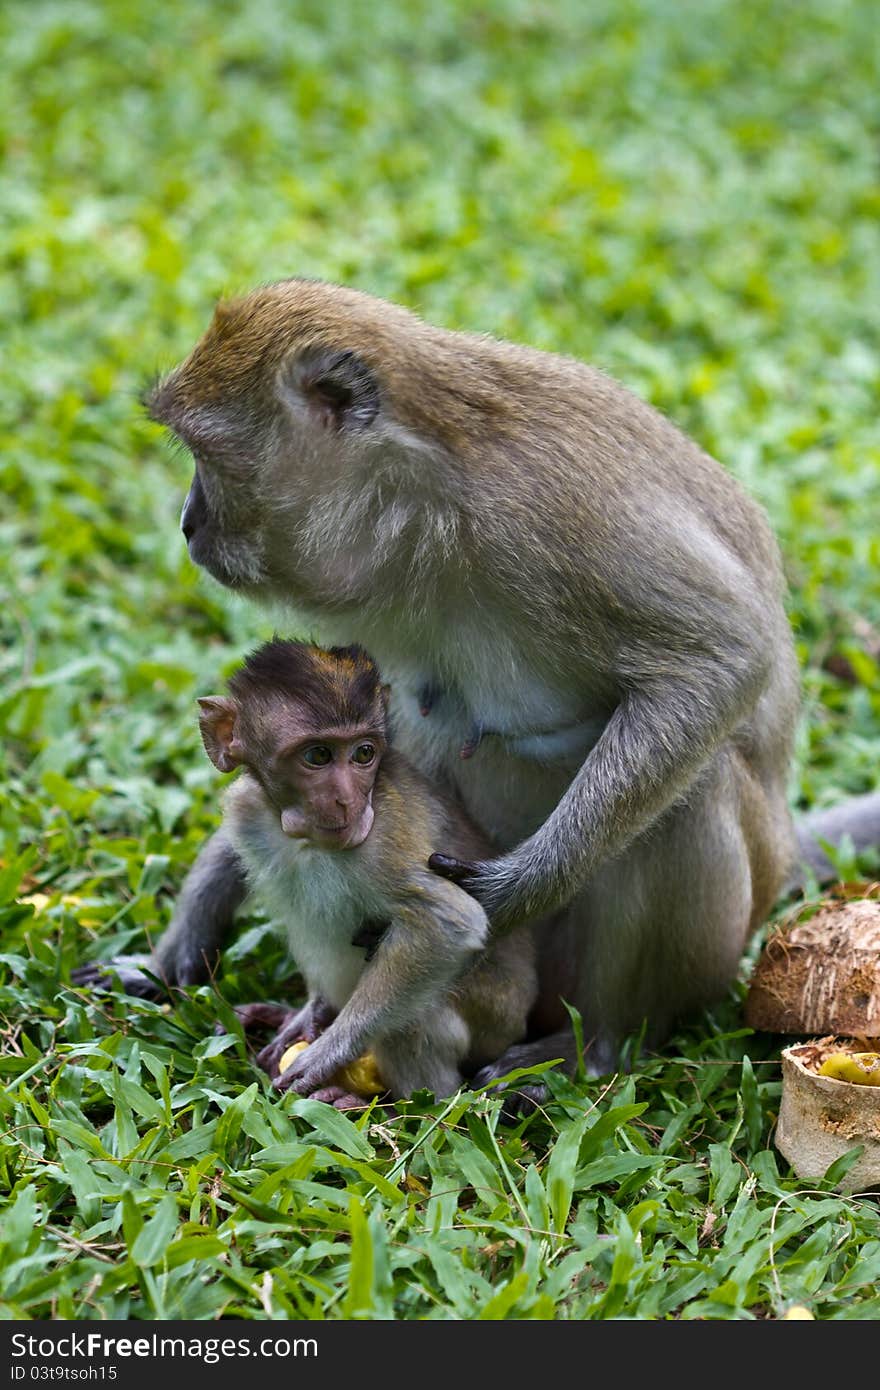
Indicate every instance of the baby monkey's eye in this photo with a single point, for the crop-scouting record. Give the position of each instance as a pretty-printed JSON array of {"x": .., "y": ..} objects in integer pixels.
[
  {"x": 364, "y": 754},
  {"x": 318, "y": 756}
]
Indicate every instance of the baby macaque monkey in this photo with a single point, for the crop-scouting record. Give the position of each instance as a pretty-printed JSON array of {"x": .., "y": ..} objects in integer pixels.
[{"x": 334, "y": 829}]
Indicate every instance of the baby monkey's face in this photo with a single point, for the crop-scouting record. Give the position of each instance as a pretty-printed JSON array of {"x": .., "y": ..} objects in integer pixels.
[
  {"x": 320, "y": 780},
  {"x": 322, "y": 783}
]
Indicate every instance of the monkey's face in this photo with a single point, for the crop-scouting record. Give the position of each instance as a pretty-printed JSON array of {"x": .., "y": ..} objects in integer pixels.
[
  {"x": 218, "y": 519},
  {"x": 323, "y": 786},
  {"x": 276, "y": 410},
  {"x": 319, "y": 780}
]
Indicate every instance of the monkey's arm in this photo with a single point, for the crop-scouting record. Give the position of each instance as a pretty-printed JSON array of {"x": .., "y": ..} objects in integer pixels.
[
  {"x": 432, "y": 938},
  {"x": 662, "y": 732},
  {"x": 212, "y": 893}
]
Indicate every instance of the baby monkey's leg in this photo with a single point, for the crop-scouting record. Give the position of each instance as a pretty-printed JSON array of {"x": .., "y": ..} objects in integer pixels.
[{"x": 426, "y": 1057}]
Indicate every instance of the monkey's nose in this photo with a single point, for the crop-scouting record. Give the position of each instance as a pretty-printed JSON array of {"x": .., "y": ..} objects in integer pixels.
[
  {"x": 195, "y": 509},
  {"x": 189, "y": 519}
]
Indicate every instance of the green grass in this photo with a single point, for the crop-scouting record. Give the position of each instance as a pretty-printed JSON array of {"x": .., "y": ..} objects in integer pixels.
[{"x": 684, "y": 194}]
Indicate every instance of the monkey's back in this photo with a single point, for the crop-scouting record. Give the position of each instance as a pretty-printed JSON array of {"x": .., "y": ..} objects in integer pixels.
[{"x": 551, "y": 423}]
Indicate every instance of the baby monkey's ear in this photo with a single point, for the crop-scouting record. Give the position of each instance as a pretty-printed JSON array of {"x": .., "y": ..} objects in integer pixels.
[
  {"x": 385, "y": 693},
  {"x": 217, "y": 715}
]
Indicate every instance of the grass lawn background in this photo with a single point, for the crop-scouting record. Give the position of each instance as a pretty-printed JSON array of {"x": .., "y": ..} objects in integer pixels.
[{"x": 687, "y": 195}]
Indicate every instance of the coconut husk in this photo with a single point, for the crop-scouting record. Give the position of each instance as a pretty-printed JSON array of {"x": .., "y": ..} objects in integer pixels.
[
  {"x": 822, "y": 975},
  {"x": 820, "y": 1119}
]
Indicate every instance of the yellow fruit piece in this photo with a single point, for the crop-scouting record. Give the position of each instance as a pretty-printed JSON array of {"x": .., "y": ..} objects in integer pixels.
[
  {"x": 361, "y": 1078},
  {"x": 798, "y": 1313},
  {"x": 415, "y": 1185},
  {"x": 860, "y": 1068},
  {"x": 288, "y": 1056}
]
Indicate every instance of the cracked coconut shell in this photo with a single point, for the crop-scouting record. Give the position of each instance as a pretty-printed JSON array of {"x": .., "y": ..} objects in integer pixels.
[
  {"x": 821, "y": 1118},
  {"x": 821, "y": 976}
]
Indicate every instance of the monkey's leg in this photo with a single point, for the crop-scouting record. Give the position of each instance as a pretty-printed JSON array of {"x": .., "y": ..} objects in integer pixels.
[
  {"x": 425, "y": 1058},
  {"x": 212, "y": 893},
  {"x": 667, "y": 922},
  {"x": 660, "y": 930}
]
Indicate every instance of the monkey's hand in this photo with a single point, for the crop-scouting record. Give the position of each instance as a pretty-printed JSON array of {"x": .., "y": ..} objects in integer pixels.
[
  {"x": 369, "y": 935},
  {"x": 316, "y": 1067},
  {"x": 302, "y": 1025},
  {"x": 488, "y": 881},
  {"x": 460, "y": 871},
  {"x": 137, "y": 974}
]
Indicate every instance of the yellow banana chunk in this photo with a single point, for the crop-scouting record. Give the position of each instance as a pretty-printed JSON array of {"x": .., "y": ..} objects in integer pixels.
[
  {"x": 798, "y": 1313},
  {"x": 860, "y": 1068},
  {"x": 361, "y": 1078},
  {"x": 288, "y": 1056}
]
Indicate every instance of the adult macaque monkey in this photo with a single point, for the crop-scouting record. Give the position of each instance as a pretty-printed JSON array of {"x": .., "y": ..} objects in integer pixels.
[
  {"x": 559, "y": 584},
  {"x": 335, "y": 828}
]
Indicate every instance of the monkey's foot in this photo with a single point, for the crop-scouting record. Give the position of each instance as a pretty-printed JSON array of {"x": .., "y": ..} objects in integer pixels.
[
  {"x": 557, "y": 1047},
  {"x": 258, "y": 1018},
  {"x": 519, "y": 1097},
  {"x": 129, "y": 971},
  {"x": 522, "y": 1097},
  {"x": 340, "y": 1099},
  {"x": 519, "y": 1100}
]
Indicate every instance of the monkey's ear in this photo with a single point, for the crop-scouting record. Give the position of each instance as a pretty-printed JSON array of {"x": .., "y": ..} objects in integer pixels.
[
  {"x": 337, "y": 389},
  {"x": 217, "y": 714},
  {"x": 385, "y": 696}
]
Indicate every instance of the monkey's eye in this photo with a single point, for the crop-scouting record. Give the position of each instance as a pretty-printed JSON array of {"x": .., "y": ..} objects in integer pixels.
[
  {"x": 364, "y": 754},
  {"x": 318, "y": 756}
]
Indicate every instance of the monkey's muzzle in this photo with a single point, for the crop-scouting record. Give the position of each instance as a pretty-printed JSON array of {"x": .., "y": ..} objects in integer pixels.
[{"x": 347, "y": 836}]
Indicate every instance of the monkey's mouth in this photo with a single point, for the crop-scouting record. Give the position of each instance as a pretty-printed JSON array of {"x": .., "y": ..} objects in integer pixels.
[
  {"x": 231, "y": 564},
  {"x": 204, "y": 557},
  {"x": 347, "y": 836}
]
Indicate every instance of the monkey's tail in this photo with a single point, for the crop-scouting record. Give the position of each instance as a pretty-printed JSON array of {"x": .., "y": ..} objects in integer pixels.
[{"x": 857, "y": 819}]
